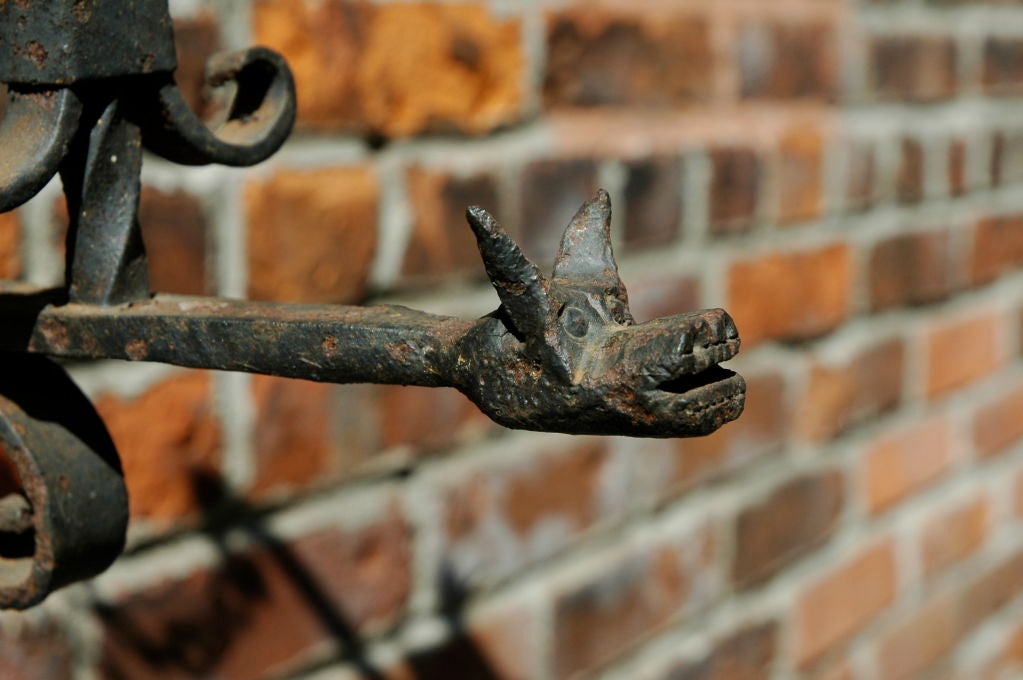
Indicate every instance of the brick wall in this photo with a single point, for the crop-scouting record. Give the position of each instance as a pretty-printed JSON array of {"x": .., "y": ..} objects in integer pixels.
[{"x": 844, "y": 176}]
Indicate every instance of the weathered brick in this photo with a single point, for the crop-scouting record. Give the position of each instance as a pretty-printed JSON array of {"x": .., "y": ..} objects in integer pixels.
[
  {"x": 1006, "y": 158},
  {"x": 909, "y": 185},
  {"x": 195, "y": 40},
  {"x": 760, "y": 431},
  {"x": 957, "y": 185},
  {"x": 794, "y": 519},
  {"x": 954, "y": 535},
  {"x": 266, "y": 611},
  {"x": 36, "y": 650},
  {"x": 747, "y": 654},
  {"x": 840, "y": 395},
  {"x": 913, "y": 68},
  {"x": 920, "y": 641},
  {"x": 734, "y": 189},
  {"x": 598, "y": 619},
  {"x": 361, "y": 66},
  {"x": 552, "y": 191},
  {"x": 498, "y": 520},
  {"x": 996, "y": 425},
  {"x": 425, "y": 419},
  {"x": 10, "y": 245},
  {"x": 788, "y": 60},
  {"x": 991, "y": 591},
  {"x": 861, "y": 175},
  {"x": 1003, "y": 66},
  {"x": 175, "y": 233},
  {"x": 791, "y": 295},
  {"x": 962, "y": 351},
  {"x": 801, "y": 176},
  {"x": 292, "y": 444},
  {"x": 441, "y": 241},
  {"x": 841, "y": 603},
  {"x": 169, "y": 441},
  {"x": 312, "y": 234},
  {"x": 997, "y": 247},
  {"x": 904, "y": 461},
  {"x": 911, "y": 269},
  {"x": 651, "y": 59},
  {"x": 653, "y": 201}
]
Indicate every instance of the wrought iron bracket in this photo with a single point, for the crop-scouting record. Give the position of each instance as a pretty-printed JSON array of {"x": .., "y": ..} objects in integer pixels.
[{"x": 86, "y": 95}]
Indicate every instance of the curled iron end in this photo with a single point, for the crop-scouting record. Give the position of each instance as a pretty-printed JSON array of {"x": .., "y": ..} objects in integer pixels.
[{"x": 253, "y": 92}]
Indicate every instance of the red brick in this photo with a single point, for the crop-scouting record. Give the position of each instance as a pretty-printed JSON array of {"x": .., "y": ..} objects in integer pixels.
[
  {"x": 913, "y": 68},
  {"x": 997, "y": 426},
  {"x": 841, "y": 603},
  {"x": 904, "y": 461},
  {"x": 498, "y": 520},
  {"x": 954, "y": 535},
  {"x": 911, "y": 269},
  {"x": 363, "y": 67},
  {"x": 658, "y": 293},
  {"x": 1003, "y": 66},
  {"x": 618, "y": 58},
  {"x": 312, "y": 234},
  {"x": 552, "y": 191},
  {"x": 957, "y": 168},
  {"x": 33, "y": 651},
  {"x": 920, "y": 641},
  {"x": 788, "y": 60},
  {"x": 195, "y": 40},
  {"x": 747, "y": 654},
  {"x": 598, "y": 619},
  {"x": 734, "y": 189},
  {"x": 997, "y": 247},
  {"x": 909, "y": 185},
  {"x": 801, "y": 176},
  {"x": 991, "y": 591},
  {"x": 791, "y": 295},
  {"x": 653, "y": 201},
  {"x": 861, "y": 178},
  {"x": 175, "y": 233},
  {"x": 839, "y": 396},
  {"x": 1006, "y": 158},
  {"x": 441, "y": 242},
  {"x": 962, "y": 351},
  {"x": 10, "y": 245},
  {"x": 793, "y": 520},
  {"x": 292, "y": 446},
  {"x": 264, "y": 612},
  {"x": 426, "y": 419},
  {"x": 760, "y": 431},
  {"x": 169, "y": 442}
]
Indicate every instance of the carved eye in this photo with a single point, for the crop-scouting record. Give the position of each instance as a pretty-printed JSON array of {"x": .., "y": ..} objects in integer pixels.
[
  {"x": 618, "y": 311},
  {"x": 575, "y": 322}
]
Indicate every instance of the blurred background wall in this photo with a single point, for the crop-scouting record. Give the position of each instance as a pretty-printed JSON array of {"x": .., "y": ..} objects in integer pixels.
[{"x": 844, "y": 176}]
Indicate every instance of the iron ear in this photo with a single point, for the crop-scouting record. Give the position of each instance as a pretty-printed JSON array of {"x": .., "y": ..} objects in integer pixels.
[{"x": 585, "y": 254}]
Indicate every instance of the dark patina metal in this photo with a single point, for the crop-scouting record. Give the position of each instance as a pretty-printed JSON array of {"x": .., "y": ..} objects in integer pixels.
[{"x": 560, "y": 354}]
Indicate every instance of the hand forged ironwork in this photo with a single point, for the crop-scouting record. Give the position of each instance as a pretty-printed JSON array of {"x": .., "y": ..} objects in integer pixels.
[{"x": 560, "y": 354}]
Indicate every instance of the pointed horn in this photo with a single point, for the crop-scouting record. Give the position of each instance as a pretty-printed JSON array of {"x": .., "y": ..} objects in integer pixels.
[
  {"x": 585, "y": 254},
  {"x": 518, "y": 282}
]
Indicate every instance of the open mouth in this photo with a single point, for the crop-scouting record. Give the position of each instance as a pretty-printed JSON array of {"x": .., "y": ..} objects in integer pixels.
[{"x": 688, "y": 383}]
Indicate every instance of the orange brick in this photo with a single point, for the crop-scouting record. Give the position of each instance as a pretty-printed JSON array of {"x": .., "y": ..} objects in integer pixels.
[
  {"x": 801, "y": 175},
  {"x": 919, "y": 642},
  {"x": 312, "y": 234},
  {"x": 997, "y": 247},
  {"x": 837, "y": 606},
  {"x": 747, "y": 654},
  {"x": 962, "y": 351},
  {"x": 169, "y": 442},
  {"x": 175, "y": 233},
  {"x": 997, "y": 424},
  {"x": 954, "y": 535},
  {"x": 839, "y": 396},
  {"x": 791, "y": 296},
  {"x": 991, "y": 591},
  {"x": 903, "y": 462},
  {"x": 397, "y": 69},
  {"x": 10, "y": 244}
]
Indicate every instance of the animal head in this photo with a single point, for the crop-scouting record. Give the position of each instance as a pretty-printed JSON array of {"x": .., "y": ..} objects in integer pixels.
[{"x": 578, "y": 361}]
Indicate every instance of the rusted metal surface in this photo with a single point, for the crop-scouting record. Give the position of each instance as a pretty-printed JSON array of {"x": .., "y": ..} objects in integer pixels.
[{"x": 561, "y": 353}]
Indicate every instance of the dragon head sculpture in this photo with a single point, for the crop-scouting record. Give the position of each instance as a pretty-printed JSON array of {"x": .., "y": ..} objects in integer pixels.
[{"x": 565, "y": 354}]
